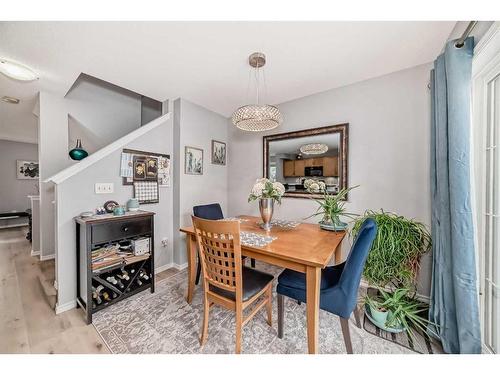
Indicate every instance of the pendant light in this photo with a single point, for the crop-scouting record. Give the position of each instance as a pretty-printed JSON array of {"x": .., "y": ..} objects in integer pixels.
[
  {"x": 314, "y": 149},
  {"x": 78, "y": 153},
  {"x": 257, "y": 117}
]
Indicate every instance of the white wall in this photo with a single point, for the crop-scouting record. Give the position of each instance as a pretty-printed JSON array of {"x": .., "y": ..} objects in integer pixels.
[
  {"x": 76, "y": 194},
  {"x": 196, "y": 126},
  {"x": 14, "y": 192},
  {"x": 389, "y": 148}
]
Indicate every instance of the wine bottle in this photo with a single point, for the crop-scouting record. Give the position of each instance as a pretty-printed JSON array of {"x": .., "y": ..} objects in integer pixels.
[
  {"x": 143, "y": 275},
  {"x": 123, "y": 276},
  {"x": 139, "y": 282},
  {"x": 105, "y": 295}
]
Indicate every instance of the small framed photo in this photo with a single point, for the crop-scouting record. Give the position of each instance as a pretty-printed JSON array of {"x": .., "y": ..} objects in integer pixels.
[
  {"x": 193, "y": 160},
  {"x": 152, "y": 169},
  {"x": 218, "y": 153},
  {"x": 27, "y": 170},
  {"x": 139, "y": 168}
]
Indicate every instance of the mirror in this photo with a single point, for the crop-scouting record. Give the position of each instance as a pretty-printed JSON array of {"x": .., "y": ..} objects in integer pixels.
[{"x": 319, "y": 154}]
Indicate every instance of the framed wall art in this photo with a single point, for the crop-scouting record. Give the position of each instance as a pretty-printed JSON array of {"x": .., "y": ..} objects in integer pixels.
[
  {"x": 193, "y": 160},
  {"x": 218, "y": 152},
  {"x": 27, "y": 169}
]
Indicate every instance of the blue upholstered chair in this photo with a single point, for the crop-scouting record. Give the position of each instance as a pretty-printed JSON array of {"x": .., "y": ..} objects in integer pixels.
[
  {"x": 339, "y": 284},
  {"x": 211, "y": 211}
]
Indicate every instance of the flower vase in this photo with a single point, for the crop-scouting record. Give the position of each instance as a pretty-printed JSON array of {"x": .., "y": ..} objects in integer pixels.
[{"x": 266, "y": 207}]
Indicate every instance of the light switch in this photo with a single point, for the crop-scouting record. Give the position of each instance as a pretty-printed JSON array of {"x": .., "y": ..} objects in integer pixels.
[{"x": 104, "y": 187}]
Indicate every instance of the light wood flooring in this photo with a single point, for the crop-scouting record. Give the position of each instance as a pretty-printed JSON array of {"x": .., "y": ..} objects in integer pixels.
[{"x": 28, "y": 324}]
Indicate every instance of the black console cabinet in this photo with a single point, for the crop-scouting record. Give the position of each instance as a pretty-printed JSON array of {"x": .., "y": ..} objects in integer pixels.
[{"x": 98, "y": 231}]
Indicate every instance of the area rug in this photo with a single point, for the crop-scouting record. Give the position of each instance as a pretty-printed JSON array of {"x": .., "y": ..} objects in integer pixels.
[{"x": 163, "y": 322}]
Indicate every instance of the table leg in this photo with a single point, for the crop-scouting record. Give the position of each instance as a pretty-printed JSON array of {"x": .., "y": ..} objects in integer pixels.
[
  {"x": 191, "y": 255},
  {"x": 313, "y": 277},
  {"x": 338, "y": 253}
]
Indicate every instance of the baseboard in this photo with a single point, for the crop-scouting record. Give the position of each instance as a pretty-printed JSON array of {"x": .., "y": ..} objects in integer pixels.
[
  {"x": 163, "y": 268},
  {"x": 65, "y": 307},
  {"x": 180, "y": 267},
  {"x": 35, "y": 253},
  {"x": 47, "y": 257},
  {"x": 420, "y": 297}
]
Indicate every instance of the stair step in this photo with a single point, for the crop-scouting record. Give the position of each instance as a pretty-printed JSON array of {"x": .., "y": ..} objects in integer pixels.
[{"x": 49, "y": 292}]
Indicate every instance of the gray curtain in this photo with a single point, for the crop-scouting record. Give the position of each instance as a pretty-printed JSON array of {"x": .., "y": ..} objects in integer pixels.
[{"x": 454, "y": 299}]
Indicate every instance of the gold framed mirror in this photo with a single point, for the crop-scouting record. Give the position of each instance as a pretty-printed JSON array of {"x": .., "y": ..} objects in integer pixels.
[{"x": 319, "y": 154}]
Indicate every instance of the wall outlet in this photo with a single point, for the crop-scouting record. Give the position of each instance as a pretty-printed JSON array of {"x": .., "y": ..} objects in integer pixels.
[
  {"x": 104, "y": 187},
  {"x": 164, "y": 242}
]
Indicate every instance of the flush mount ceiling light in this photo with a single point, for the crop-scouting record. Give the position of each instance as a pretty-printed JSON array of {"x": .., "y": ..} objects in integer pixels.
[
  {"x": 10, "y": 100},
  {"x": 16, "y": 70},
  {"x": 257, "y": 117},
  {"x": 314, "y": 148}
]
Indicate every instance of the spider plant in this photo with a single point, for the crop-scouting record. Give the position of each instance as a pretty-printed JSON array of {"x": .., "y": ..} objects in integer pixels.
[
  {"x": 396, "y": 250},
  {"x": 331, "y": 207}
]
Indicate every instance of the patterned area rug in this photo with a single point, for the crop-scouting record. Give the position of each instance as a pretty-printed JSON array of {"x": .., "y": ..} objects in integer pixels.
[{"x": 164, "y": 322}]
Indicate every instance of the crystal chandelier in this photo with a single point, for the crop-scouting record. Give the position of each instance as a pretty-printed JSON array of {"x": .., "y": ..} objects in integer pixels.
[
  {"x": 314, "y": 148},
  {"x": 257, "y": 117}
]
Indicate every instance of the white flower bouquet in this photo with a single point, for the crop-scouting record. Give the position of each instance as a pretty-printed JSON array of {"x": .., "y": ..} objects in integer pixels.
[
  {"x": 264, "y": 188},
  {"x": 314, "y": 186}
]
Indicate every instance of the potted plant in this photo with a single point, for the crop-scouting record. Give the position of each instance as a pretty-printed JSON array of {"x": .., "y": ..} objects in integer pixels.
[
  {"x": 331, "y": 206},
  {"x": 266, "y": 192},
  {"x": 377, "y": 311},
  {"x": 392, "y": 268}
]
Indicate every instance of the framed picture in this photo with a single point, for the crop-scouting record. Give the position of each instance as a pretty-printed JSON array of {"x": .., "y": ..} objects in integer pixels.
[
  {"x": 193, "y": 160},
  {"x": 27, "y": 169},
  {"x": 218, "y": 153},
  {"x": 152, "y": 169},
  {"x": 139, "y": 168}
]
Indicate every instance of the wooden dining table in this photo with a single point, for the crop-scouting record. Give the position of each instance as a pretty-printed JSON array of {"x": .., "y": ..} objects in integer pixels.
[{"x": 305, "y": 248}]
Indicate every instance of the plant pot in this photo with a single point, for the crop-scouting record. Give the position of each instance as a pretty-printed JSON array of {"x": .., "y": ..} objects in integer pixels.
[
  {"x": 379, "y": 317},
  {"x": 266, "y": 207},
  {"x": 328, "y": 225}
]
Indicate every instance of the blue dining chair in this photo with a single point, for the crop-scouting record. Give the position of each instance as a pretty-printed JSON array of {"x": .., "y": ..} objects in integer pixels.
[
  {"x": 339, "y": 284},
  {"x": 211, "y": 211}
]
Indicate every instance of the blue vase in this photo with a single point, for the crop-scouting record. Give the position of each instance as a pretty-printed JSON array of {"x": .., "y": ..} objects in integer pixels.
[{"x": 78, "y": 153}]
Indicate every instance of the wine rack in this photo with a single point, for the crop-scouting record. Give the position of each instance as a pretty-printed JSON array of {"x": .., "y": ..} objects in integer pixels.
[{"x": 108, "y": 274}]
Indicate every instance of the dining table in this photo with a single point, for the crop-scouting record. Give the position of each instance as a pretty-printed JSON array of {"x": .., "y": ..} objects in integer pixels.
[{"x": 304, "y": 248}]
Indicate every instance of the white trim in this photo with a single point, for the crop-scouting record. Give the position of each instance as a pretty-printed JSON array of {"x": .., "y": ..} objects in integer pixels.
[
  {"x": 65, "y": 307},
  {"x": 107, "y": 150},
  {"x": 180, "y": 267},
  {"x": 486, "y": 39},
  {"x": 35, "y": 253},
  {"x": 18, "y": 139},
  {"x": 47, "y": 257},
  {"x": 163, "y": 268}
]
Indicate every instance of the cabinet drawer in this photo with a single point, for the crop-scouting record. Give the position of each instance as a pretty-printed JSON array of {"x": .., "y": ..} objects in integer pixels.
[{"x": 112, "y": 231}]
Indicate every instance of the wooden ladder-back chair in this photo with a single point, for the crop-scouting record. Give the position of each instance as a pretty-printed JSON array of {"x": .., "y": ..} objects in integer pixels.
[{"x": 225, "y": 281}]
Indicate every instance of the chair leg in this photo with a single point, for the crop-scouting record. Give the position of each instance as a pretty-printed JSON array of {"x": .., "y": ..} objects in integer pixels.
[
  {"x": 198, "y": 272},
  {"x": 269, "y": 306},
  {"x": 204, "y": 327},
  {"x": 357, "y": 316},
  {"x": 239, "y": 327},
  {"x": 281, "y": 313},
  {"x": 344, "y": 323},
  {"x": 252, "y": 262}
]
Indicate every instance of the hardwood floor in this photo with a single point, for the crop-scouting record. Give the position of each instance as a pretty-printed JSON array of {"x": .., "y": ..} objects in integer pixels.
[{"x": 28, "y": 324}]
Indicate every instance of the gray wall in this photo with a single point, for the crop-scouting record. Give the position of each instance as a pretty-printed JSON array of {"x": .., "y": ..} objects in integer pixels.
[
  {"x": 14, "y": 192},
  {"x": 76, "y": 194},
  {"x": 389, "y": 147},
  {"x": 196, "y": 126}
]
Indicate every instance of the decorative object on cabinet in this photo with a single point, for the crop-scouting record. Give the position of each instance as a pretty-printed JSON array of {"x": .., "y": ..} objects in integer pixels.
[
  {"x": 257, "y": 117},
  {"x": 218, "y": 152},
  {"x": 146, "y": 191},
  {"x": 331, "y": 206},
  {"x": 118, "y": 210},
  {"x": 133, "y": 204},
  {"x": 283, "y": 150},
  {"x": 106, "y": 272},
  {"x": 109, "y": 206},
  {"x": 27, "y": 169},
  {"x": 193, "y": 160},
  {"x": 266, "y": 192},
  {"x": 78, "y": 153},
  {"x": 156, "y": 167}
]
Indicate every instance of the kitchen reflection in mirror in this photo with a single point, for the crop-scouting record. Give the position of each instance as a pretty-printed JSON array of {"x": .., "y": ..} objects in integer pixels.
[{"x": 319, "y": 154}]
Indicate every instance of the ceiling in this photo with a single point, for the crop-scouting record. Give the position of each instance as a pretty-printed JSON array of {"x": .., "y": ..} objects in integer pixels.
[{"x": 206, "y": 62}]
